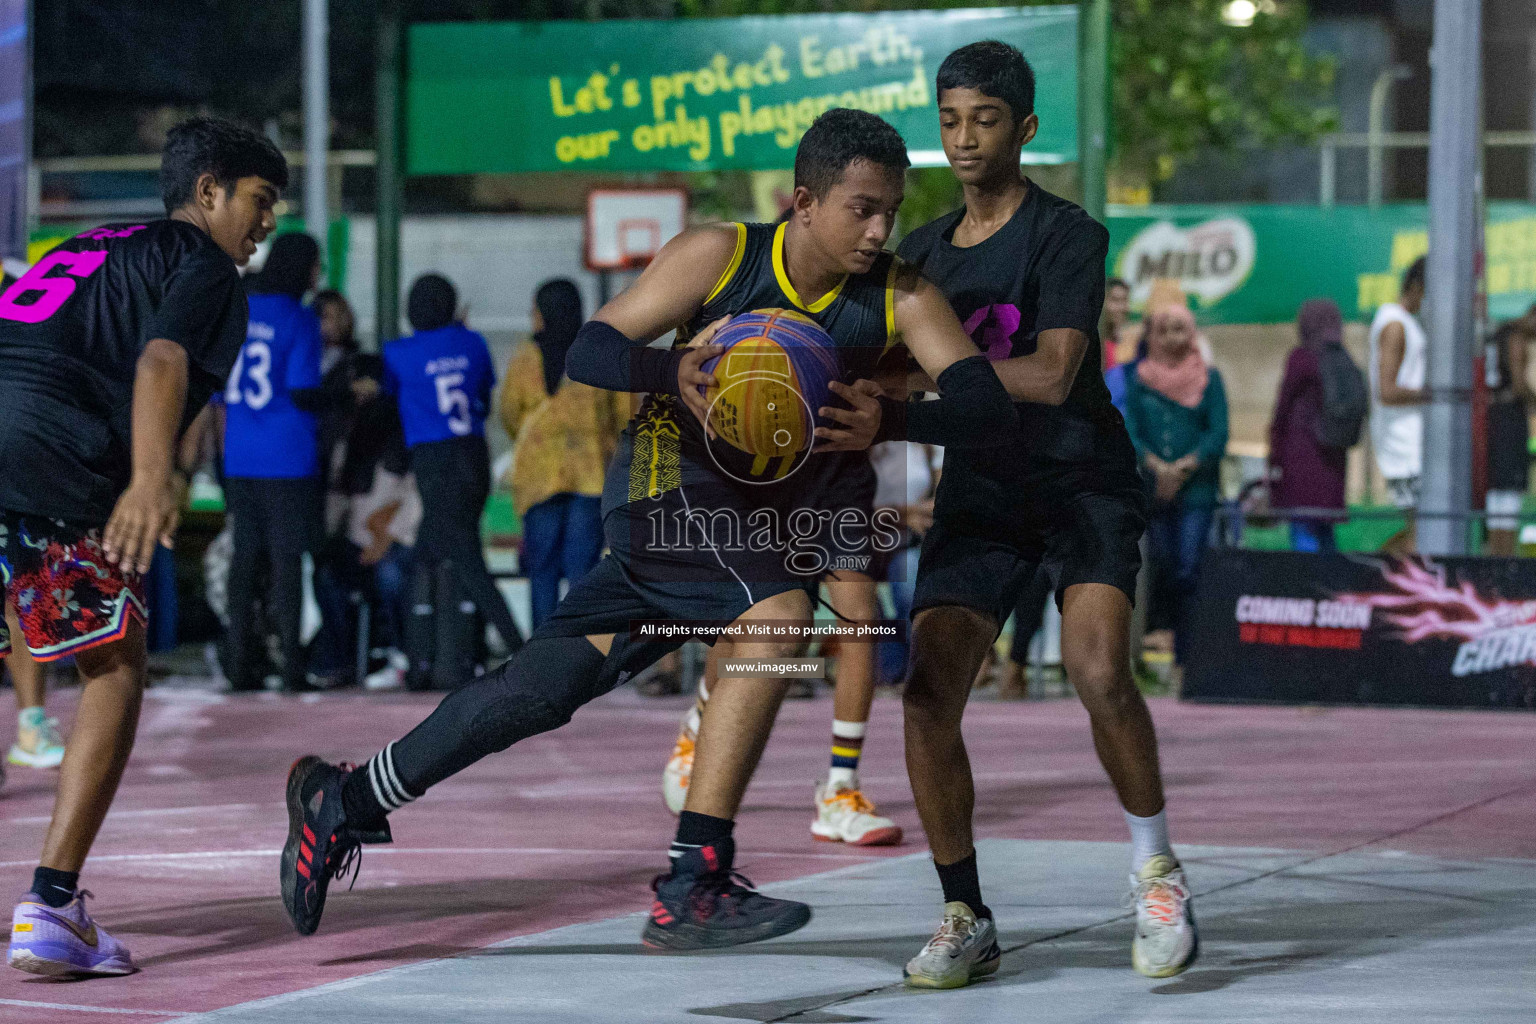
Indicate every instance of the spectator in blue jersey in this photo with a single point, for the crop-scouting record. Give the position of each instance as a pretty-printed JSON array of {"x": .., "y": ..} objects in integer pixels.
[
  {"x": 441, "y": 376},
  {"x": 272, "y": 462}
]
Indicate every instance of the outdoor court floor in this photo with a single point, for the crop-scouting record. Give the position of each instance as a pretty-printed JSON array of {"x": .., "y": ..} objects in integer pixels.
[{"x": 1356, "y": 865}]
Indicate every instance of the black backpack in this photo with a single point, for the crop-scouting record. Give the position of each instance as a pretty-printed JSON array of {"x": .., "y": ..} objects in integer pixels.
[{"x": 1346, "y": 400}]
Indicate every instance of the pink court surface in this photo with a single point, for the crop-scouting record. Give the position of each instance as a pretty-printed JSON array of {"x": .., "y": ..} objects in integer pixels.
[{"x": 1320, "y": 840}]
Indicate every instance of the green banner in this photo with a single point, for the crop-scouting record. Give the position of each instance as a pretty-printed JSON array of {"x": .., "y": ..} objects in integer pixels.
[
  {"x": 700, "y": 94},
  {"x": 1257, "y": 264}
]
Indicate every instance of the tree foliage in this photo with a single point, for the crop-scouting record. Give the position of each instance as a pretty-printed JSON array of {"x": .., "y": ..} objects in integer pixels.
[{"x": 1184, "y": 81}]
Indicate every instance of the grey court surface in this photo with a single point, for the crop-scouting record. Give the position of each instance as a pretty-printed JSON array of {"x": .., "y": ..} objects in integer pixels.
[{"x": 1287, "y": 936}]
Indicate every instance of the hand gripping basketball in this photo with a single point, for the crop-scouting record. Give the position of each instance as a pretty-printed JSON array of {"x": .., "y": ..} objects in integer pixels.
[
  {"x": 860, "y": 423},
  {"x": 691, "y": 379}
]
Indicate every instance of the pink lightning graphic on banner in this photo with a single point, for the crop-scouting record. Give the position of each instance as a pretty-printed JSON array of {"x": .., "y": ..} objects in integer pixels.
[{"x": 1428, "y": 606}]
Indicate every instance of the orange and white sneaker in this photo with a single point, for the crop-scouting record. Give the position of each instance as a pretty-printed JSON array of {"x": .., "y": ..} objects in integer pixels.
[
  {"x": 1166, "y": 941},
  {"x": 846, "y": 816},
  {"x": 674, "y": 779}
]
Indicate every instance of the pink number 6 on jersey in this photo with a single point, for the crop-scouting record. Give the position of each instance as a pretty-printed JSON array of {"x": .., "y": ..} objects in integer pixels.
[{"x": 55, "y": 289}]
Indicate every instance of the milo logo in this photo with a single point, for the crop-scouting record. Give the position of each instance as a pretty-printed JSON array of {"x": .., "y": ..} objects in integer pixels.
[{"x": 1210, "y": 260}]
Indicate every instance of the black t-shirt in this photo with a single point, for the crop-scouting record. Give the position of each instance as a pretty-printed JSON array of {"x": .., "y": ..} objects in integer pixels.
[
  {"x": 1043, "y": 269},
  {"x": 71, "y": 333}
]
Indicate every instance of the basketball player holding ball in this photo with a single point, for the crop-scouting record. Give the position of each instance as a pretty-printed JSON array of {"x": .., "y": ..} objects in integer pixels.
[{"x": 825, "y": 264}]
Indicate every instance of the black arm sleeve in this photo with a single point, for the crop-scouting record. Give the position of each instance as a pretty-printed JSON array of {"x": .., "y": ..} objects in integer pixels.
[
  {"x": 603, "y": 357},
  {"x": 974, "y": 412}
]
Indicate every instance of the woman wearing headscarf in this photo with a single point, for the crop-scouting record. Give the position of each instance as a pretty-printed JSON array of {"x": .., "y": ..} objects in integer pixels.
[
  {"x": 1305, "y": 473},
  {"x": 563, "y": 435},
  {"x": 1176, "y": 412}
]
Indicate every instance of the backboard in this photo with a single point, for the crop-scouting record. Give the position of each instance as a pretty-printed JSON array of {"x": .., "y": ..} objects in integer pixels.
[{"x": 625, "y": 227}]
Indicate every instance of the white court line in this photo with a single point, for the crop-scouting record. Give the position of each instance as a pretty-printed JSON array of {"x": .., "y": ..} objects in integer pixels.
[
  {"x": 92, "y": 1009},
  {"x": 562, "y": 788},
  {"x": 527, "y": 851},
  {"x": 150, "y": 812}
]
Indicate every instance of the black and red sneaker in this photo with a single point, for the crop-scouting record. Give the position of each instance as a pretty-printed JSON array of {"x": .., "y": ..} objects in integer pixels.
[
  {"x": 321, "y": 845},
  {"x": 703, "y": 904}
]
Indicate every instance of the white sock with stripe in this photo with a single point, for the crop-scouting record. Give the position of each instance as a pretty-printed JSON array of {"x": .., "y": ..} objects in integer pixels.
[{"x": 385, "y": 781}]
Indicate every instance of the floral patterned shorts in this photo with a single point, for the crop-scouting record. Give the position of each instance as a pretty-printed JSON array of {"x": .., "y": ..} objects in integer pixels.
[{"x": 68, "y": 597}]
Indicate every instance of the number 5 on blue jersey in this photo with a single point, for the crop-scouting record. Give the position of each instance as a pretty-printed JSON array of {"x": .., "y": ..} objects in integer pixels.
[{"x": 442, "y": 380}]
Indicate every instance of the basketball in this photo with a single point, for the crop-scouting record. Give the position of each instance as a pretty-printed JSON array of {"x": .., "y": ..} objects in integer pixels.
[{"x": 770, "y": 380}]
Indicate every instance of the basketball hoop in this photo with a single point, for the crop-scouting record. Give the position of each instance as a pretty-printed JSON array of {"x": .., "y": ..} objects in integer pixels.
[{"x": 627, "y": 227}]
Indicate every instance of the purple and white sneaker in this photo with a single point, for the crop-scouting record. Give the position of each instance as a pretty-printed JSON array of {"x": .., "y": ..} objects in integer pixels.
[{"x": 63, "y": 940}]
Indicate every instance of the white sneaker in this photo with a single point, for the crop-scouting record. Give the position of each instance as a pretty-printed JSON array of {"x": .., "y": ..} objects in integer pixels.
[
  {"x": 847, "y": 816},
  {"x": 962, "y": 950},
  {"x": 1167, "y": 941},
  {"x": 38, "y": 744},
  {"x": 387, "y": 678},
  {"x": 674, "y": 778}
]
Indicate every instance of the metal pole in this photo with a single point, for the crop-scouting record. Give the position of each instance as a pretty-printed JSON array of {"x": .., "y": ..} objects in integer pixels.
[
  {"x": 1530, "y": 165},
  {"x": 1328, "y": 173},
  {"x": 1093, "y": 116},
  {"x": 387, "y": 74},
  {"x": 1376, "y": 129},
  {"x": 317, "y": 118},
  {"x": 1455, "y": 99},
  {"x": 16, "y": 124}
]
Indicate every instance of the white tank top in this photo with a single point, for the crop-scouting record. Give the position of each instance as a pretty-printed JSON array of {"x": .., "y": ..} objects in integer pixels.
[{"x": 1397, "y": 431}]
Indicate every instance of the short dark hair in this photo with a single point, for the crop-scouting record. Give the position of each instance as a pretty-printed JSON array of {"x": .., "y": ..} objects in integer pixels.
[
  {"x": 432, "y": 304},
  {"x": 1414, "y": 275},
  {"x": 224, "y": 149},
  {"x": 1116, "y": 282},
  {"x": 839, "y": 137},
  {"x": 993, "y": 69}
]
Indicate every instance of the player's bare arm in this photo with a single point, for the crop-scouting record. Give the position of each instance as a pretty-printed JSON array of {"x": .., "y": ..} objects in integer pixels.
[
  {"x": 148, "y": 511},
  {"x": 1394, "y": 343},
  {"x": 669, "y": 291},
  {"x": 1045, "y": 375},
  {"x": 927, "y": 324},
  {"x": 928, "y": 328},
  {"x": 974, "y": 410}
]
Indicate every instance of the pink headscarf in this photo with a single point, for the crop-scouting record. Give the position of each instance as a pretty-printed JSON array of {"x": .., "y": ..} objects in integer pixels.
[{"x": 1179, "y": 377}]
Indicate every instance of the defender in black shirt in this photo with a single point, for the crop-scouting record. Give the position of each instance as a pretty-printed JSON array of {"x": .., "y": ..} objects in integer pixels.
[
  {"x": 109, "y": 346},
  {"x": 1024, "y": 271}
]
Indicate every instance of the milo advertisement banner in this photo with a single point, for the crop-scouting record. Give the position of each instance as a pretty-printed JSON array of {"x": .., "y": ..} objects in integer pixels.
[
  {"x": 1355, "y": 629},
  {"x": 696, "y": 94},
  {"x": 1257, "y": 264}
]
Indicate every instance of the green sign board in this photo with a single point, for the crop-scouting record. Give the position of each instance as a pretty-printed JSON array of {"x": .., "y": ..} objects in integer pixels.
[
  {"x": 700, "y": 94},
  {"x": 1257, "y": 264}
]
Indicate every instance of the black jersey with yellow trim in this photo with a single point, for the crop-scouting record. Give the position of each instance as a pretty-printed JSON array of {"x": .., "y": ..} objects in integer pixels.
[{"x": 664, "y": 445}]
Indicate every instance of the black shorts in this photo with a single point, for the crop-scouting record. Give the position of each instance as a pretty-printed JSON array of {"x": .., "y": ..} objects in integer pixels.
[
  {"x": 1509, "y": 457},
  {"x": 1080, "y": 530},
  {"x": 685, "y": 554},
  {"x": 843, "y": 485}
]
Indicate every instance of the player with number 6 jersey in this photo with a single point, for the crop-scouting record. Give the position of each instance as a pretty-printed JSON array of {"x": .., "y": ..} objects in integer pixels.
[
  {"x": 109, "y": 346},
  {"x": 441, "y": 376}
]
